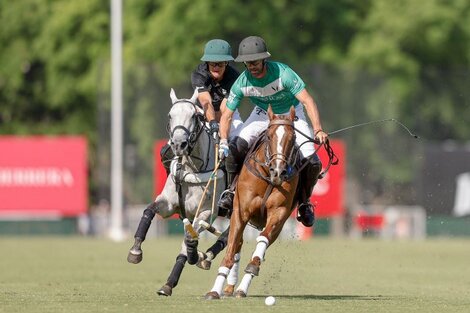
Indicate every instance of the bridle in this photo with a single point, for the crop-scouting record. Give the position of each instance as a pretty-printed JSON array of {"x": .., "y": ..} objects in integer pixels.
[
  {"x": 291, "y": 160},
  {"x": 274, "y": 156},
  {"x": 271, "y": 157},
  {"x": 197, "y": 119},
  {"x": 193, "y": 135}
]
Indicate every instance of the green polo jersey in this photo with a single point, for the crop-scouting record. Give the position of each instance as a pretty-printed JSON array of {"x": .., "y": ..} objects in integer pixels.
[{"x": 277, "y": 88}]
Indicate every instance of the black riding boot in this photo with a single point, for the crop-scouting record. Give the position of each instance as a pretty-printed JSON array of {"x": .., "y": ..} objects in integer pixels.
[
  {"x": 166, "y": 155},
  {"x": 307, "y": 180},
  {"x": 225, "y": 203},
  {"x": 233, "y": 164}
]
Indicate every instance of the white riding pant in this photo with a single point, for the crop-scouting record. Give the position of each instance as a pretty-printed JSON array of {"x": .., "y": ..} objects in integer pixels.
[
  {"x": 236, "y": 126},
  {"x": 258, "y": 121}
]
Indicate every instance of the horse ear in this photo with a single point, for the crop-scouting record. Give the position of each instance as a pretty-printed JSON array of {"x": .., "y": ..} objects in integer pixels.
[
  {"x": 195, "y": 94},
  {"x": 292, "y": 113},
  {"x": 270, "y": 112},
  {"x": 173, "y": 96}
]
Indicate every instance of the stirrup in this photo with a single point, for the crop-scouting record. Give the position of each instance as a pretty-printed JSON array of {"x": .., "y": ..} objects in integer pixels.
[{"x": 225, "y": 194}]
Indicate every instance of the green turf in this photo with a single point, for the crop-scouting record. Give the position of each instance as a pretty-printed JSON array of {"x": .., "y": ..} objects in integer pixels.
[{"x": 321, "y": 275}]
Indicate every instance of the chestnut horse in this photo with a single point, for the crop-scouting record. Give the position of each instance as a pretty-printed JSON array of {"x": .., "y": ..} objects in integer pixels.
[{"x": 264, "y": 197}]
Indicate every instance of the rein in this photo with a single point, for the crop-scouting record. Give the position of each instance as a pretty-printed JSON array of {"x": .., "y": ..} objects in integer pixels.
[
  {"x": 269, "y": 158},
  {"x": 332, "y": 158}
]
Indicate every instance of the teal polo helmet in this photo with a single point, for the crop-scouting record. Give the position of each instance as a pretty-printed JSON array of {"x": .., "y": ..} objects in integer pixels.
[
  {"x": 217, "y": 50},
  {"x": 252, "y": 48}
]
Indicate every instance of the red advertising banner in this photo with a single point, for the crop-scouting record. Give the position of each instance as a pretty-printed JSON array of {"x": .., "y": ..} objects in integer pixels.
[
  {"x": 43, "y": 176},
  {"x": 159, "y": 170},
  {"x": 328, "y": 194}
]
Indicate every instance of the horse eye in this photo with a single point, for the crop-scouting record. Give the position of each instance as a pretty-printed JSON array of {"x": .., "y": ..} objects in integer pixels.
[{"x": 169, "y": 116}]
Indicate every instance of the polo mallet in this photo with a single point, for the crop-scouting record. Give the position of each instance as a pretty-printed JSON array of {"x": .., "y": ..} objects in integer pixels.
[
  {"x": 215, "y": 180},
  {"x": 189, "y": 228},
  {"x": 210, "y": 228},
  {"x": 214, "y": 172}
]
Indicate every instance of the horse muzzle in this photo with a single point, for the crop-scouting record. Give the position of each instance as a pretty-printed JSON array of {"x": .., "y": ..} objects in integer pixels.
[
  {"x": 277, "y": 175},
  {"x": 180, "y": 147}
]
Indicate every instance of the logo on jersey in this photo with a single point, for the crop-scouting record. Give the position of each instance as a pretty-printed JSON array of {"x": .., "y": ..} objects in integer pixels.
[{"x": 231, "y": 97}]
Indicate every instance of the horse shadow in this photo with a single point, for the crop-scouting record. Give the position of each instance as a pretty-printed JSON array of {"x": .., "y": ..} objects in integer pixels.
[{"x": 327, "y": 297}]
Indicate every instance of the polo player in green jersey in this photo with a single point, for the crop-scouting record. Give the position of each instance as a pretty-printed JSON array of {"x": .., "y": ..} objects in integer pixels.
[{"x": 270, "y": 83}]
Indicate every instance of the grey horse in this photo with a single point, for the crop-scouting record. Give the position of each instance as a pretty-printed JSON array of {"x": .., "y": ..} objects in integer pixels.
[{"x": 191, "y": 168}]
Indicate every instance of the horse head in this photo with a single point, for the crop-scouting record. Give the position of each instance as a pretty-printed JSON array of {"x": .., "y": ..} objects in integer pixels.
[
  {"x": 280, "y": 146},
  {"x": 182, "y": 123}
]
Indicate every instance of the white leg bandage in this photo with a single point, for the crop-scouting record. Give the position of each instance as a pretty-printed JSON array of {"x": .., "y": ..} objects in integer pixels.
[
  {"x": 261, "y": 246},
  {"x": 245, "y": 283},
  {"x": 232, "y": 277},
  {"x": 220, "y": 280}
]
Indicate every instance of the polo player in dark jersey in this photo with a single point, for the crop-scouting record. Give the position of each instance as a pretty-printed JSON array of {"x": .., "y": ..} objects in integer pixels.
[{"x": 213, "y": 78}]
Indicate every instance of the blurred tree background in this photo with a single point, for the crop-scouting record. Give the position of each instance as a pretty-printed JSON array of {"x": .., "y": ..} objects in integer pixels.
[{"x": 362, "y": 60}]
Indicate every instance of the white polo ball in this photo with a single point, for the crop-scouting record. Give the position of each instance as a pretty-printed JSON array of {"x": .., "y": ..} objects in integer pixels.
[{"x": 270, "y": 300}]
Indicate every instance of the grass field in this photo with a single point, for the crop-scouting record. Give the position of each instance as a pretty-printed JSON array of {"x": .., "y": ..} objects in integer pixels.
[{"x": 321, "y": 275}]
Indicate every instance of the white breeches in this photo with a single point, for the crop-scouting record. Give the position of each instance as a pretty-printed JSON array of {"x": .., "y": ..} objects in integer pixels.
[
  {"x": 258, "y": 121},
  {"x": 236, "y": 126}
]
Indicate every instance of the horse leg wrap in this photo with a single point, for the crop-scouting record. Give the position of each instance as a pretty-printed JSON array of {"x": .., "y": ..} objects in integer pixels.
[
  {"x": 245, "y": 283},
  {"x": 145, "y": 221},
  {"x": 176, "y": 271},
  {"x": 219, "y": 245},
  {"x": 191, "y": 250},
  {"x": 220, "y": 280},
  {"x": 232, "y": 278},
  {"x": 261, "y": 246}
]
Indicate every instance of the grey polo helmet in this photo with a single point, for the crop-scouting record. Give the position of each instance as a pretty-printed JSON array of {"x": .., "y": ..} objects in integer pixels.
[
  {"x": 251, "y": 49},
  {"x": 217, "y": 50}
]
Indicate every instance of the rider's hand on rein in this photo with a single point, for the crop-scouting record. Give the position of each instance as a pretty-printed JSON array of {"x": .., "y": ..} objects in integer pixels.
[{"x": 321, "y": 136}]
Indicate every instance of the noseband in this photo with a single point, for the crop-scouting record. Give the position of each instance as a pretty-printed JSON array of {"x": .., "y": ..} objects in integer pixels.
[{"x": 271, "y": 157}]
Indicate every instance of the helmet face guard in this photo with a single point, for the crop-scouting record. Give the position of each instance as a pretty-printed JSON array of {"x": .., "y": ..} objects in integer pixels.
[
  {"x": 252, "y": 48},
  {"x": 217, "y": 50}
]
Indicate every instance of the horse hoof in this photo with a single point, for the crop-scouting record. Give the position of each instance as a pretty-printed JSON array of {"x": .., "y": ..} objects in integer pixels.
[
  {"x": 204, "y": 264},
  {"x": 240, "y": 294},
  {"x": 228, "y": 290},
  {"x": 135, "y": 256},
  {"x": 165, "y": 291},
  {"x": 212, "y": 295}
]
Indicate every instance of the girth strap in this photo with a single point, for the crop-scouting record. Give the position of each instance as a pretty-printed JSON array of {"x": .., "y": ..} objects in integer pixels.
[{"x": 265, "y": 198}]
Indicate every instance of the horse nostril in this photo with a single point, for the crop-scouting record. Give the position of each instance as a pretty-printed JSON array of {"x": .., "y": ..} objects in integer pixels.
[{"x": 284, "y": 173}]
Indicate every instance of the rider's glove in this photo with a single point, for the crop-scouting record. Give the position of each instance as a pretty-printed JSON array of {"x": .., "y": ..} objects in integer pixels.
[
  {"x": 223, "y": 149},
  {"x": 214, "y": 130}
]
